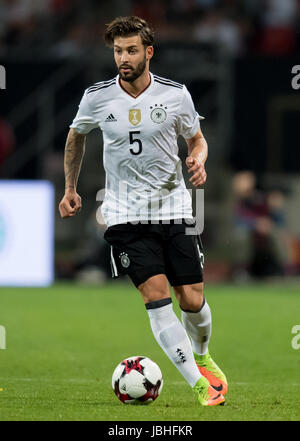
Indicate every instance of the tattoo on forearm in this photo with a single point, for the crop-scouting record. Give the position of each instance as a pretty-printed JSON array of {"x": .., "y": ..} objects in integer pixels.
[{"x": 74, "y": 151}]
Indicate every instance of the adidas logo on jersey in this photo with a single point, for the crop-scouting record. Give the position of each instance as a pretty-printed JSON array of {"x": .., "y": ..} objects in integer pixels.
[{"x": 110, "y": 118}]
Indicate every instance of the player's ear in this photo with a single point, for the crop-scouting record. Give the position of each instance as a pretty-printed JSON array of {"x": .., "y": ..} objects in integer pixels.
[{"x": 149, "y": 52}]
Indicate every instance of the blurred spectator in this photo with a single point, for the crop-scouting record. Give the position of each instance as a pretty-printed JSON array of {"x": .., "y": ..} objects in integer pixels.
[
  {"x": 21, "y": 21},
  {"x": 7, "y": 141},
  {"x": 255, "y": 217},
  {"x": 73, "y": 43},
  {"x": 153, "y": 12},
  {"x": 279, "y": 13},
  {"x": 289, "y": 243},
  {"x": 222, "y": 24},
  {"x": 264, "y": 260},
  {"x": 278, "y": 35},
  {"x": 59, "y": 6},
  {"x": 250, "y": 203},
  {"x": 206, "y": 3},
  {"x": 275, "y": 200},
  {"x": 221, "y": 32}
]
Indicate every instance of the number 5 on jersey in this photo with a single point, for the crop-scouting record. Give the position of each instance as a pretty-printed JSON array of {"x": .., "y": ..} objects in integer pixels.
[{"x": 132, "y": 140}]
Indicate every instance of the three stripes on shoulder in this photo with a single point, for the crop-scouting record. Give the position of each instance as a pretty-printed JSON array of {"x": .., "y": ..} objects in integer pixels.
[
  {"x": 105, "y": 84},
  {"x": 101, "y": 85}
]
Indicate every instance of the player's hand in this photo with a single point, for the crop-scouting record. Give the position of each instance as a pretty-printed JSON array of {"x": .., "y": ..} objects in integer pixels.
[
  {"x": 70, "y": 204},
  {"x": 197, "y": 168}
]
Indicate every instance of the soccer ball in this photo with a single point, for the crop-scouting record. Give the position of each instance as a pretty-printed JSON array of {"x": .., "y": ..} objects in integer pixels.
[{"x": 137, "y": 380}]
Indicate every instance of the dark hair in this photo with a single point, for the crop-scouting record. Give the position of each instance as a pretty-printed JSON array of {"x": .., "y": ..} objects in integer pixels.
[{"x": 126, "y": 26}]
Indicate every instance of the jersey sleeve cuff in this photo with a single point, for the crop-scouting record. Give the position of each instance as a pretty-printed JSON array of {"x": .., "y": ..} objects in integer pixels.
[{"x": 80, "y": 130}]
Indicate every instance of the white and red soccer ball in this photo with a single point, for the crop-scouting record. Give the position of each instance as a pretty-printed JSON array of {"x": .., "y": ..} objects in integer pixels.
[{"x": 137, "y": 380}]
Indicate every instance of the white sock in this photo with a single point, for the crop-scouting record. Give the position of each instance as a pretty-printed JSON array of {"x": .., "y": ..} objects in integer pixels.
[
  {"x": 173, "y": 339},
  {"x": 198, "y": 326}
]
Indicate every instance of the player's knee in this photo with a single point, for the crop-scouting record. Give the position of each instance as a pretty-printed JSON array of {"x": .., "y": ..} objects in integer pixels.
[
  {"x": 155, "y": 288},
  {"x": 191, "y": 297},
  {"x": 193, "y": 305}
]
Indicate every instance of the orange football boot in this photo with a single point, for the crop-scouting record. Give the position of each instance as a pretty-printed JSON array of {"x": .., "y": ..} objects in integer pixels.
[
  {"x": 207, "y": 395},
  {"x": 209, "y": 369}
]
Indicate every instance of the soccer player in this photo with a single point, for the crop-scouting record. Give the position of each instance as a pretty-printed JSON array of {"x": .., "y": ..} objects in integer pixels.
[{"x": 147, "y": 207}]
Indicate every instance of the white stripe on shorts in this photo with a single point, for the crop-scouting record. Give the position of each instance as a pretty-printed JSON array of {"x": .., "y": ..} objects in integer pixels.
[
  {"x": 113, "y": 263},
  {"x": 201, "y": 255}
]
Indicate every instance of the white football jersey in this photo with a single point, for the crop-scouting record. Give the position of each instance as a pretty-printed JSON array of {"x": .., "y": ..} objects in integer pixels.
[{"x": 144, "y": 180}]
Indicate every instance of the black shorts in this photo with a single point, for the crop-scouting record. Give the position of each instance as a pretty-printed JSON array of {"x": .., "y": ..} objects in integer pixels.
[{"x": 145, "y": 250}]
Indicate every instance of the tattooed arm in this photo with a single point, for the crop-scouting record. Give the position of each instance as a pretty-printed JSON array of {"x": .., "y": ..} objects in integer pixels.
[{"x": 74, "y": 152}]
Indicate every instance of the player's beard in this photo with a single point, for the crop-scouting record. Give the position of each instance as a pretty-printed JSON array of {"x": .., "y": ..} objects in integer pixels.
[{"x": 131, "y": 76}]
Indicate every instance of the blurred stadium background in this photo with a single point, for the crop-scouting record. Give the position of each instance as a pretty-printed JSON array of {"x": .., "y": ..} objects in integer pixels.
[{"x": 235, "y": 56}]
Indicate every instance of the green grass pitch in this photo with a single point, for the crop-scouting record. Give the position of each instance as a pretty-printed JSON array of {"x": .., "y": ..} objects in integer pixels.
[{"x": 63, "y": 343}]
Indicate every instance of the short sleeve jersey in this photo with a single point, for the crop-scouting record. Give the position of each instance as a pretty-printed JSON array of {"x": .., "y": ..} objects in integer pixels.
[{"x": 144, "y": 180}]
